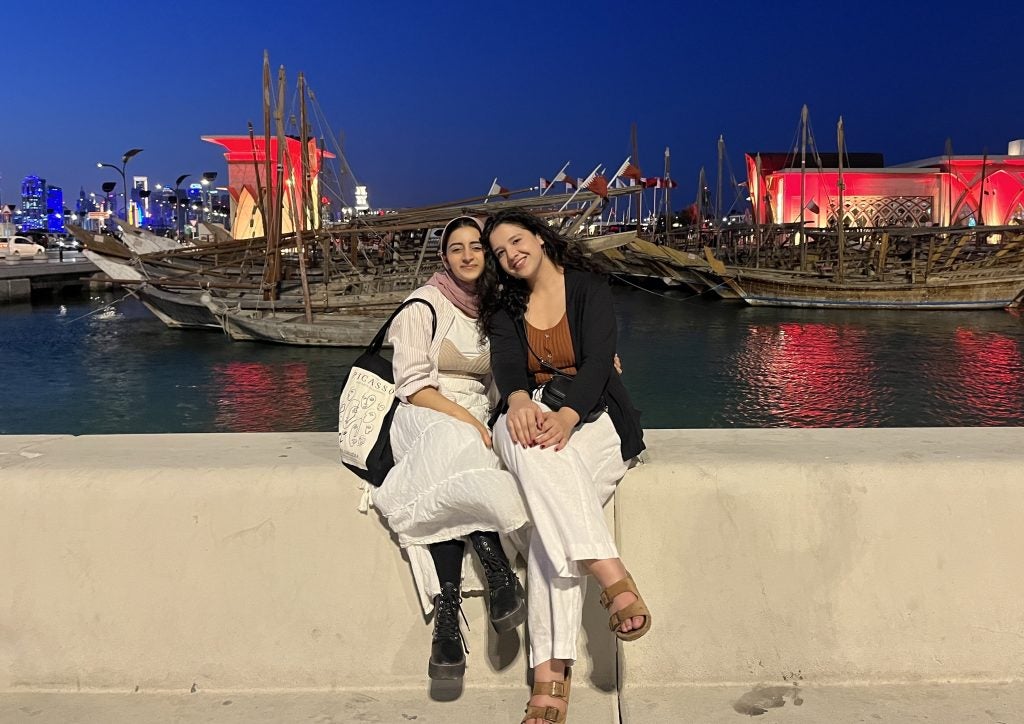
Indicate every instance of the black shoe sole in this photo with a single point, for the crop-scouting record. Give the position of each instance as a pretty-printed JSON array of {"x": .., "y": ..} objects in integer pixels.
[
  {"x": 514, "y": 619},
  {"x": 446, "y": 672}
]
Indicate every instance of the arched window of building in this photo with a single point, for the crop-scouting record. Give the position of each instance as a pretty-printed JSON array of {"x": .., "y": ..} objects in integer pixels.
[{"x": 966, "y": 214}]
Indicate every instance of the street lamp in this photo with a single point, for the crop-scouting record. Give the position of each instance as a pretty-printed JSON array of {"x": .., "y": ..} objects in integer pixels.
[
  {"x": 128, "y": 155},
  {"x": 207, "y": 182},
  {"x": 177, "y": 204}
]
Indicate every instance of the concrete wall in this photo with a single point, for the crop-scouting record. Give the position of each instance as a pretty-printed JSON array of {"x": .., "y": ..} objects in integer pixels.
[
  {"x": 239, "y": 561},
  {"x": 15, "y": 290},
  {"x": 224, "y": 561},
  {"x": 828, "y": 555}
]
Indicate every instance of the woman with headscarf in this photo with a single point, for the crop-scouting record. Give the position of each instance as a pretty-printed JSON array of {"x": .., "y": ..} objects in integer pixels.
[{"x": 447, "y": 483}]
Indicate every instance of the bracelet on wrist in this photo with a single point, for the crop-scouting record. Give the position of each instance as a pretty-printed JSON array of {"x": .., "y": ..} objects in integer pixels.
[{"x": 516, "y": 392}]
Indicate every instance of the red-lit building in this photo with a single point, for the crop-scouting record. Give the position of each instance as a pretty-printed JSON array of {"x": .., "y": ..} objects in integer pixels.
[
  {"x": 964, "y": 190},
  {"x": 244, "y": 156}
]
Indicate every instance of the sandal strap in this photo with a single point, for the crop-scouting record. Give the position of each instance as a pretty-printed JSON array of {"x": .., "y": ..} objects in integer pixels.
[
  {"x": 545, "y": 713},
  {"x": 631, "y": 610},
  {"x": 556, "y": 689},
  {"x": 621, "y": 586}
]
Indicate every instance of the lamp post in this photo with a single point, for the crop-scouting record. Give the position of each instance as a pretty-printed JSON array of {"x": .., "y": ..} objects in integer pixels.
[
  {"x": 177, "y": 204},
  {"x": 207, "y": 182},
  {"x": 128, "y": 155}
]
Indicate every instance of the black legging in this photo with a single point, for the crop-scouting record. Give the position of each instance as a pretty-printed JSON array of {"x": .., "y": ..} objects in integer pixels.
[{"x": 447, "y": 556}]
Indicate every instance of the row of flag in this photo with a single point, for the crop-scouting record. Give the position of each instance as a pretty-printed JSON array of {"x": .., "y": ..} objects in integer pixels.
[{"x": 596, "y": 182}]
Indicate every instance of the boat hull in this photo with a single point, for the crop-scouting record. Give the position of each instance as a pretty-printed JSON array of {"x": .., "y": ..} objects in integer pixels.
[
  {"x": 325, "y": 331},
  {"x": 177, "y": 311},
  {"x": 988, "y": 293}
]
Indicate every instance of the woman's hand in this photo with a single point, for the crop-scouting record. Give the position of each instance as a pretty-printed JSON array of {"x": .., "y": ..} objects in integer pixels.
[
  {"x": 430, "y": 398},
  {"x": 557, "y": 427},
  {"x": 485, "y": 434},
  {"x": 523, "y": 418},
  {"x": 617, "y": 363}
]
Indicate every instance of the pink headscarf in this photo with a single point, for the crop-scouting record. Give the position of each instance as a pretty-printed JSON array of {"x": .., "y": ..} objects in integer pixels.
[{"x": 461, "y": 294}]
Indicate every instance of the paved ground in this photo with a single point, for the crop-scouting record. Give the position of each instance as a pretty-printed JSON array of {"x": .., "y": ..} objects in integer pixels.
[
  {"x": 783, "y": 704},
  {"x": 73, "y": 262}
]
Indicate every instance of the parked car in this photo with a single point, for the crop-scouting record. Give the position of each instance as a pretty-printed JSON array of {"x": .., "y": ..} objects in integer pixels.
[
  {"x": 67, "y": 243},
  {"x": 18, "y": 247}
]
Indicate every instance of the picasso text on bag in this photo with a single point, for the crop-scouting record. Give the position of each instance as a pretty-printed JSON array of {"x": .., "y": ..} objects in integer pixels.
[{"x": 371, "y": 380}]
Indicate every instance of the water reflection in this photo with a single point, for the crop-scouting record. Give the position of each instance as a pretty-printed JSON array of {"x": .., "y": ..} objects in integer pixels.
[
  {"x": 256, "y": 397},
  {"x": 688, "y": 364},
  {"x": 807, "y": 375},
  {"x": 989, "y": 378}
]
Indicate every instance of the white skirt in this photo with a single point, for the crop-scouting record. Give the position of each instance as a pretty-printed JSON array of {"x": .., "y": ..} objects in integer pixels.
[{"x": 445, "y": 484}]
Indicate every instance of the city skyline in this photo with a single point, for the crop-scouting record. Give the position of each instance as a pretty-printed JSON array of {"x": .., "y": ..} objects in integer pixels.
[{"x": 436, "y": 102}]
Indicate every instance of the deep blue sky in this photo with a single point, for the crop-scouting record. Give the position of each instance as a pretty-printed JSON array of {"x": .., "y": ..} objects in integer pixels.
[{"x": 436, "y": 99}]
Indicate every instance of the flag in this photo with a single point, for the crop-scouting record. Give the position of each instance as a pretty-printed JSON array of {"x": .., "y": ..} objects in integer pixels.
[
  {"x": 599, "y": 185},
  {"x": 544, "y": 183},
  {"x": 632, "y": 173},
  {"x": 813, "y": 207},
  {"x": 651, "y": 183},
  {"x": 497, "y": 189},
  {"x": 567, "y": 180},
  {"x": 669, "y": 183}
]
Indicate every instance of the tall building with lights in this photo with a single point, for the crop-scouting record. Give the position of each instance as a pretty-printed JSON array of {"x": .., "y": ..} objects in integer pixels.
[
  {"x": 33, "y": 203},
  {"x": 140, "y": 199},
  {"x": 55, "y": 210}
]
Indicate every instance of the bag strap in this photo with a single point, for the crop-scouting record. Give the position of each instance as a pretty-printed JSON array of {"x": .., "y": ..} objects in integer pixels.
[
  {"x": 378, "y": 341},
  {"x": 548, "y": 366}
]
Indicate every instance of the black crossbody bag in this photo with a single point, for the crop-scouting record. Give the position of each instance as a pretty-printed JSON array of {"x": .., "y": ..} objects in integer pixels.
[{"x": 554, "y": 392}]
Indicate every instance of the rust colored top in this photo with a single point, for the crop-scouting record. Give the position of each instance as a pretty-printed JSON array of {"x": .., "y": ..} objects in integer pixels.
[{"x": 554, "y": 346}]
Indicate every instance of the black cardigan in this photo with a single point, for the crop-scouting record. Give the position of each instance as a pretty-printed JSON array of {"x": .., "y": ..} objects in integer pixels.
[{"x": 591, "y": 315}]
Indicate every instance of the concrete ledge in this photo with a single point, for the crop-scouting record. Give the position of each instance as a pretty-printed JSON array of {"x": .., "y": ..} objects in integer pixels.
[
  {"x": 828, "y": 555},
  {"x": 227, "y": 562},
  {"x": 239, "y": 565}
]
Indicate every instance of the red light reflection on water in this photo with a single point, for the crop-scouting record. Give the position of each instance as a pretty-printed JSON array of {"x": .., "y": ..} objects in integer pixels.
[
  {"x": 990, "y": 375},
  {"x": 810, "y": 375},
  {"x": 256, "y": 397}
]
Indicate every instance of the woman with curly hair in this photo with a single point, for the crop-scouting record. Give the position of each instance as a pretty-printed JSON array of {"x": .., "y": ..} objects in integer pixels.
[{"x": 548, "y": 316}]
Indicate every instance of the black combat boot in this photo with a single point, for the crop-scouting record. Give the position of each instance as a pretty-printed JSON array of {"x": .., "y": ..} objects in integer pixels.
[
  {"x": 447, "y": 649},
  {"x": 505, "y": 602}
]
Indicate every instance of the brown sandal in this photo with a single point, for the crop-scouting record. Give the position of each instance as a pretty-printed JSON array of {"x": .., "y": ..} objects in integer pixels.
[
  {"x": 556, "y": 690},
  {"x": 637, "y": 608}
]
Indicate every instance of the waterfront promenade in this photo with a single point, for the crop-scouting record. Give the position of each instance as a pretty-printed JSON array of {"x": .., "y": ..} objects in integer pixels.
[
  {"x": 19, "y": 278},
  {"x": 818, "y": 575}
]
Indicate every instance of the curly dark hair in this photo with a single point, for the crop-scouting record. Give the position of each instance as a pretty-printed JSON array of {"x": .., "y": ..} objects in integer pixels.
[{"x": 499, "y": 290}]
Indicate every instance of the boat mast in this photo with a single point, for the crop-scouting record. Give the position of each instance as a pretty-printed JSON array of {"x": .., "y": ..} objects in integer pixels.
[
  {"x": 803, "y": 186},
  {"x": 718, "y": 191},
  {"x": 260, "y": 200},
  {"x": 306, "y": 205},
  {"x": 949, "y": 181},
  {"x": 279, "y": 177},
  {"x": 640, "y": 197},
  {"x": 270, "y": 265},
  {"x": 981, "y": 192},
  {"x": 756, "y": 199},
  {"x": 700, "y": 206},
  {"x": 668, "y": 195},
  {"x": 840, "y": 226}
]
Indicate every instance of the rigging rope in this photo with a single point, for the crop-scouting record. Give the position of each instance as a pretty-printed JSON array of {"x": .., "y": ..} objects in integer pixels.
[
  {"x": 131, "y": 293},
  {"x": 665, "y": 296}
]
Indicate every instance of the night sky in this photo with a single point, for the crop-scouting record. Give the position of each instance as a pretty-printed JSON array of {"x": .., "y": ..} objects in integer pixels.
[{"x": 436, "y": 99}]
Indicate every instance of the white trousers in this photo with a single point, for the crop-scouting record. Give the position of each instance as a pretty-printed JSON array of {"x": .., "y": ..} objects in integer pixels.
[
  {"x": 445, "y": 485},
  {"x": 564, "y": 492}
]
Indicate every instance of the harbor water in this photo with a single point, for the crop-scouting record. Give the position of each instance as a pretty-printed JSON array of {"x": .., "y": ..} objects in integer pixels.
[{"x": 73, "y": 366}]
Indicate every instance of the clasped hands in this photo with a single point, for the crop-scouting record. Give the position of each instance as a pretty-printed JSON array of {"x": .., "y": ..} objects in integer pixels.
[{"x": 531, "y": 426}]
